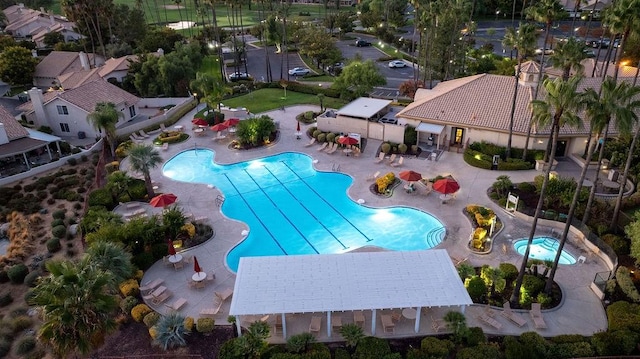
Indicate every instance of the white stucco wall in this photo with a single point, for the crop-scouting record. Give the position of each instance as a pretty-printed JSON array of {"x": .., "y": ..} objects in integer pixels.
[{"x": 76, "y": 119}]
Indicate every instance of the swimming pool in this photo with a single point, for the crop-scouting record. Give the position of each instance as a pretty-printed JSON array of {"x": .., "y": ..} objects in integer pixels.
[
  {"x": 290, "y": 208},
  {"x": 544, "y": 248}
]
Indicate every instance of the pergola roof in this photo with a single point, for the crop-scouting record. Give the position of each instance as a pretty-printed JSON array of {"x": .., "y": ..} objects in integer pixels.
[
  {"x": 345, "y": 282},
  {"x": 363, "y": 107}
]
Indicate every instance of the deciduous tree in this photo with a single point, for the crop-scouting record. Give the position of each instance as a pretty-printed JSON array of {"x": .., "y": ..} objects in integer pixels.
[{"x": 17, "y": 65}]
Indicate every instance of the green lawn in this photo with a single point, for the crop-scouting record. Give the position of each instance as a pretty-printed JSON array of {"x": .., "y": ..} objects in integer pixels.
[
  {"x": 271, "y": 99},
  {"x": 321, "y": 78}
]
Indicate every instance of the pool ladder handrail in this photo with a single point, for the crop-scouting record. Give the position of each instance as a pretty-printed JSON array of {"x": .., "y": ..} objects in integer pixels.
[
  {"x": 335, "y": 167},
  {"x": 219, "y": 200}
]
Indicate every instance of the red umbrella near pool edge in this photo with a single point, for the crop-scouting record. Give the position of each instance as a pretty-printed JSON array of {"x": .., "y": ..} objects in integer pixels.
[
  {"x": 172, "y": 249},
  {"x": 410, "y": 176},
  {"x": 199, "y": 121},
  {"x": 446, "y": 186},
  {"x": 219, "y": 127},
  {"x": 196, "y": 265},
  {"x": 163, "y": 200}
]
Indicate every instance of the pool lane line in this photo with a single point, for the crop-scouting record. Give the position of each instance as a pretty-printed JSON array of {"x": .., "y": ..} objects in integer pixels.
[
  {"x": 281, "y": 212},
  {"x": 329, "y": 204},
  {"x": 305, "y": 207},
  {"x": 255, "y": 215}
]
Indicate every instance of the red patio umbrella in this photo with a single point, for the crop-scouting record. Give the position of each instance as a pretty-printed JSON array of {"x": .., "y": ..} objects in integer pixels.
[
  {"x": 196, "y": 266},
  {"x": 410, "y": 176},
  {"x": 232, "y": 122},
  {"x": 219, "y": 127},
  {"x": 172, "y": 249},
  {"x": 163, "y": 200},
  {"x": 346, "y": 140},
  {"x": 199, "y": 121},
  {"x": 298, "y": 128},
  {"x": 446, "y": 186}
]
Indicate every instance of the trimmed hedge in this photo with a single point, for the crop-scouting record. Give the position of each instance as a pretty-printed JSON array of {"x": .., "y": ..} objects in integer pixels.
[
  {"x": 128, "y": 303},
  {"x": 140, "y": 311},
  {"x": 205, "y": 325},
  {"x": 17, "y": 273},
  {"x": 53, "y": 245}
]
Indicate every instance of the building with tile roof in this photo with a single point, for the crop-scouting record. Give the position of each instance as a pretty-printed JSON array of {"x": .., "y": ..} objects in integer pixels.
[
  {"x": 65, "y": 111},
  {"x": 115, "y": 69},
  {"x": 25, "y": 23},
  {"x": 58, "y": 63},
  {"x": 477, "y": 108}
]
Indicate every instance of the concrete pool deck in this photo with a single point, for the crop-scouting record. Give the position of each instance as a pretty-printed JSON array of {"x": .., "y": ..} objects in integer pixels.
[{"x": 581, "y": 311}]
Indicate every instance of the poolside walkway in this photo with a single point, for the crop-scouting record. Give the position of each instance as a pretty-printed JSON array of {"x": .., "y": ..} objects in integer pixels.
[{"x": 580, "y": 313}]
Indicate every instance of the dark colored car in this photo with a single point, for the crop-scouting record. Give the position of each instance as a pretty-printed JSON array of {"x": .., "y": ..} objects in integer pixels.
[
  {"x": 362, "y": 43},
  {"x": 240, "y": 76}
]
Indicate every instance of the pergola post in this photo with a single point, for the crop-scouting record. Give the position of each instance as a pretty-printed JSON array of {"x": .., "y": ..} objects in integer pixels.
[
  {"x": 26, "y": 160},
  {"x": 58, "y": 146},
  {"x": 418, "y": 312},
  {"x": 329, "y": 323},
  {"x": 238, "y": 329},
  {"x": 373, "y": 322},
  {"x": 463, "y": 308},
  {"x": 284, "y": 326}
]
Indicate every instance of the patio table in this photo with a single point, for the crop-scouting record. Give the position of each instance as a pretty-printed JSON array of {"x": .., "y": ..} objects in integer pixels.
[
  {"x": 175, "y": 258},
  {"x": 199, "y": 276},
  {"x": 409, "y": 313},
  {"x": 347, "y": 151}
]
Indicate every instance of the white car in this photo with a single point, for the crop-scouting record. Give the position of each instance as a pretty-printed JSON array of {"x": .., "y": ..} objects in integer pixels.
[
  {"x": 397, "y": 63},
  {"x": 299, "y": 71},
  {"x": 547, "y": 51}
]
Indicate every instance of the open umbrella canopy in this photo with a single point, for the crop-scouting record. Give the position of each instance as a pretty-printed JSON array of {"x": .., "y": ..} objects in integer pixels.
[
  {"x": 346, "y": 140},
  {"x": 232, "y": 122},
  {"x": 172, "y": 249},
  {"x": 410, "y": 176},
  {"x": 199, "y": 121},
  {"x": 219, "y": 127},
  {"x": 446, "y": 186},
  {"x": 163, "y": 200},
  {"x": 196, "y": 265}
]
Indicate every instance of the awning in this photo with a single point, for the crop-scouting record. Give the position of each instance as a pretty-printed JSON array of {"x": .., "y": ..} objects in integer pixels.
[{"x": 430, "y": 128}]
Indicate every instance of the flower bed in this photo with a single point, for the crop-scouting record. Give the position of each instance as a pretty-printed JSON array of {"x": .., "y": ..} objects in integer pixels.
[{"x": 482, "y": 219}]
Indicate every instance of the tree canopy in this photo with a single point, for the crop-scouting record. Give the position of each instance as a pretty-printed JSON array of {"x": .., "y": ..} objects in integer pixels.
[{"x": 17, "y": 65}]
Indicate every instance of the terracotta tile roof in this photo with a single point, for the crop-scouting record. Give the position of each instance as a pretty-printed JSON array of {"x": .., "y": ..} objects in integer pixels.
[
  {"x": 589, "y": 64},
  {"x": 530, "y": 66},
  {"x": 60, "y": 62},
  {"x": 88, "y": 95},
  {"x": 27, "y": 107},
  {"x": 119, "y": 64},
  {"x": 484, "y": 102},
  {"x": 72, "y": 80},
  {"x": 11, "y": 125}
]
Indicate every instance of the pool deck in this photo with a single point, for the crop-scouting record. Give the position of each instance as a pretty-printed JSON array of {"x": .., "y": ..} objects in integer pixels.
[{"x": 581, "y": 312}]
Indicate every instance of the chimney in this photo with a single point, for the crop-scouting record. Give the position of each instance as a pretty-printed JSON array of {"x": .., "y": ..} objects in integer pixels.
[
  {"x": 3, "y": 135},
  {"x": 84, "y": 61},
  {"x": 37, "y": 101}
]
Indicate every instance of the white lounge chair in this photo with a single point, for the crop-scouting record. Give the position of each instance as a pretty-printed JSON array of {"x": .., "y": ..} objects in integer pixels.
[
  {"x": 536, "y": 315},
  {"x": 179, "y": 303},
  {"x": 373, "y": 176},
  {"x": 165, "y": 146},
  {"x": 387, "y": 323},
  {"x": 380, "y": 157},
  {"x": 512, "y": 316},
  {"x": 143, "y": 134},
  {"x": 392, "y": 159},
  {"x": 323, "y": 146},
  {"x": 399, "y": 163},
  {"x": 316, "y": 323},
  {"x": 330, "y": 147},
  {"x": 151, "y": 285},
  {"x": 313, "y": 140},
  {"x": 164, "y": 129},
  {"x": 334, "y": 148}
]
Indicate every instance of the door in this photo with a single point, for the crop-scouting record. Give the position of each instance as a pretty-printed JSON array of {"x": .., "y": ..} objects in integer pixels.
[
  {"x": 457, "y": 135},
  {"x": 561, "y": 148}
]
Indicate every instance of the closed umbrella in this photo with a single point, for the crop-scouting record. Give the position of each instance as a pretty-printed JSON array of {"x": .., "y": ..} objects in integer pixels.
[
  {"x": 163, "y": 200},
  {"x": 199, "y": 121},
  {"x": 446, "y": 186},
  {"x": 348, "y": 141},
  {"x": 410, "y": 176},
  {"x": 196, "y": 265},
  {"x": 172, "y": 249}
]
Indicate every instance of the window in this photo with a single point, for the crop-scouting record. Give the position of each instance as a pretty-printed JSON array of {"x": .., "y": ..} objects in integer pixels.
[
  {"x": 62, "y": 110},
  {"x": 64, "y": 127},
  {"x": 132, "y": 111}
]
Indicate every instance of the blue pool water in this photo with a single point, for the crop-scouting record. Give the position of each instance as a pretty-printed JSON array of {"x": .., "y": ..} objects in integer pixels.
[
  {"x": 544, "y": 248},
  {"x": 290, "y": 208}
]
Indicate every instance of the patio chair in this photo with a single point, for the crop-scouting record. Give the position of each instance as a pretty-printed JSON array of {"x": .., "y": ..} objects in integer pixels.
[
  {"x": 399, "y": 163},
  {"x": 211, "y": 276},
  {"x": 179, "y": 303},
  {"x": 178, "y": 265},
  {"x": 536, "y": 315},
  {"x": 396, "y": 316},
  {"x": 356, "y": 152},
  {"x": 162, "y": 128},
  {"x": 373, "y": 176},
  {"x": 162, "y": 297},
  {"x": 437, "y": 324},
  {"x": 334, "y": 148},
  {"x": 313, "y": 140},
  {"x": 165, "y": 146},
  {"x": 143, "y": 134},
  {"x": 489, "y": 321},
  {"x": 219, "y": 137},
  {"x": 166, "y": 262},
  {"x": 336, "y": 322},
  {"x": 151, "y": 285},
  {"x": 392, "y": 158},
  {"x": 511, "y": 315},
  {"x": 191, "y": 283},
  {"x": 323, "y": 146},
  {"x": 387, "y": 323},
  {"x": 314, "y": 326},
  {"x": 200, "y": 284},
  {"x": 277, "y": 327},
  {"x": 380, "y": 157}
]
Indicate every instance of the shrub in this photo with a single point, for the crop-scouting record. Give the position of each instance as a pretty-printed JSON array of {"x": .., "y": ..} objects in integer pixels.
[
  {"x": 20, "y": 323},
  {"x": 316, "y": 132},
  {"x": 53, "y": 245},
  {"x": 620, "y": 342},
  {"x": 5, "y": 347},
  {"x": 623, "y": 276},
  {"x": 112, "y": 167},
  {"x": 31, "y": 280},
  {"x": 341, "y": 353},
  {"x": 129, "y": 287},
  {"x": 465, "y": 271},
  {"x": 476, "y": 288},
  {"x": 619, "y": 244},
  {"x": 59, "y": 214},
  {"x": 474, "y": 336},
  {"x": 321, "y": 137},
  {"x": 331, "y": 137},
  {"x": 140, "y": 311},
  {"x": 59, "y": 231},
  {"x": 480, "y": 351},
  {"x": 580, "y": 349},
  {"x": 101, "y": 197},
  {"x": 151, "y": 319},
  {"x": 128, "y": 303},
  {"x": 205, "y": 325},
  {"x": 386, "y": 148},
  {"x": 17, "y": 273},
  {"x": 5, "y": 300},
  {"x": 188, "y": 324},
  {"x": 372, "y": 347},
  {"x": 57, "y": 222},
  {"x": 509, "y": 271},
  {"x": 26, "y": 345},
  {"x": 436, "y": 348},
  {"x": 4, "y": 277}
]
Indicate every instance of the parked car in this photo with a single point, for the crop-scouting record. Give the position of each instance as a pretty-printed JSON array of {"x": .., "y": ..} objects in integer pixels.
[
  {"x": 604, "y": 43},
  {"x": 397, "y": 63},
  {"x": 546, "y": 51},
  {"x": 240, "y": 76},
  {"x": 589, "y": 53},
  {"x": 362, "y": 43},
  {"x": 299, "y": 71},
  {"x": 335, "y": 69}
]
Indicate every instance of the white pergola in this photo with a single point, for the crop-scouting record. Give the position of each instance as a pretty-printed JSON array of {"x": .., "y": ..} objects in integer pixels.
[
  {"x": 346, "y": 282},
  {"x": 430, "y": 129}
]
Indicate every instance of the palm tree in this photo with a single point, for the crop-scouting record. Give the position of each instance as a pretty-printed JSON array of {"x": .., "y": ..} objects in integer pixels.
[
  {"x": 77, "y": 307},
  {"x": 523, "y": 41},
  {"x": 568, "y": 56},
  {"x": 144, "y": 158},
  {"x": 118, "y": 182},
  {"x": 212, "y": 89},
  {"x": 171, "y": 331},
  {"x": 111, "y": 257},
  {"x": 104, "y": 118},
  {"x": 558, "y": 110},
  {"x": 613, "y": 101},
  {"x": 601, "y": 108},
  {"x": 546, "y": 11},
  {"x": 622, "y": 16}
]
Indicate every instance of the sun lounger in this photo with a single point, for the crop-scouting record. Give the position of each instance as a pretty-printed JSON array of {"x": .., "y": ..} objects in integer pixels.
[
  {"x": 179, "y": 303},
  {"x": 536, "y": 315},
  {"x": 387, "y": 323},
  {"x": 314, "y": 326},
  {"x": 356, "y": 152},
  {"x": 373, "y": 176},
  {"x": 225, "y": 294},
  {"x": 380, "y": 157},
  {"x": 392, "y": 159},
  {"x": 512, "y": 316},
  {"x": 330, "y": 147},
  {"x": 489, "y": 321},
  {"x": 209, "y": 312},
  {"x": 135, "y": 138},
  {"x": 336, "y": 322},
  {"x": 323, "y": 146},
  {"x": 277, "y": 327},
  {"x": 143, "y": 134},
  {"x": 399, "y": 163},
  {"x": 333, "y": 149},
  {"x": 165, "y": 146},
  {"x": 162, "y": 297},
  {"x": 219, "y": 137},
  {"x": 313, "y": 140},
  {"x": 358, "y": 318},
  {"x": 437, "y": 324},
  {"x": 152, "y": 285}
]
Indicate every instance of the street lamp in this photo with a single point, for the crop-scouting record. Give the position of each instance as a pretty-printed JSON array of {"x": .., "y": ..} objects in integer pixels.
[{"x": 497, "y": 13}]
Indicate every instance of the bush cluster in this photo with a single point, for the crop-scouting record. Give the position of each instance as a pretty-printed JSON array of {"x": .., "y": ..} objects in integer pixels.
[
  {"x": 151, "y": 319},
  {"x": 205, "y": 325},
  {"x": 128, "y": 303},
  {"x": 129, "y": 287},
  {"x": 140, "y": 311},
  {"x": 623, "y": 276},
  {"x": 53, "y": 245},
  {"x": 17, "y": 273}
]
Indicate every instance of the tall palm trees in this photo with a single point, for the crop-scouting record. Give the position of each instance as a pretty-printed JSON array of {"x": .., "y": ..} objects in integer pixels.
[
  {"x": 523, "y": 41},
  {"x": 568, "y": 56},
  {"x": 104, "y": 118},
  {"x": 622, "y": 16},
  {"x": 558, "y": 110},
  {"x": 211, "y": 88},
  {"x": 143, "y": 158}
]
